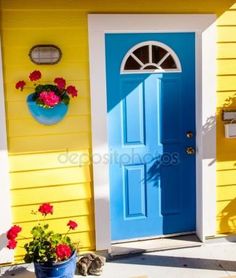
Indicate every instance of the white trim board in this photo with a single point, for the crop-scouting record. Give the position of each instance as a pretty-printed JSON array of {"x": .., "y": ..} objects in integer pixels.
[
  {"x": 205, "y": 30},
  {"x": 5, "y": 206}
]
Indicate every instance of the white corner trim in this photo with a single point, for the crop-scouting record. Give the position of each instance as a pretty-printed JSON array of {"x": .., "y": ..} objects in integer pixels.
[
  {"x": 5, "y": 205},
  {"x": 206, "y": 137},
  {"x": 204, "y": 28}
]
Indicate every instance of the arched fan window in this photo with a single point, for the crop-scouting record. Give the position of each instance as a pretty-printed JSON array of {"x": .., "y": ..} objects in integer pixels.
[{"x": 149, "y": 57}]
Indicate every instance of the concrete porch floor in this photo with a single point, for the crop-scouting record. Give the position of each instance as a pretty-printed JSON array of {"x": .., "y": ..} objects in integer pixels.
[
  {"x": 158, "y": 244},
  {"x": 210, "y": 260}
]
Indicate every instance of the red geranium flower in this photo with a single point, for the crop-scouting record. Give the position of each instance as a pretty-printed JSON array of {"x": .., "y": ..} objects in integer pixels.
[
  {"x": 49, "y": 98},
  {"x": 63, "y": 252},
  {"x": 13, "y": 232},
  {"x": 35, "y": 75},
  {"x": 20, "y": 85},
  {"x": 11, "y": 244},
  {"x": 61, "y": 83},
  {"x": 45, "y": 209},
  {"x": 72, "y": 225},
  {"x": 72, "y": 91}
]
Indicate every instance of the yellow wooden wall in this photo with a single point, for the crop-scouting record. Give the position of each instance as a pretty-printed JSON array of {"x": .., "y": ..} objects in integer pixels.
[
  {"x": 36, "y": 174},
  {"x": 226, "y": 148}
]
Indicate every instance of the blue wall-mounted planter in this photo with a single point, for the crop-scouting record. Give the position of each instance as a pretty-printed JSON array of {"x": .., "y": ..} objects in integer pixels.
[{"x": 46, "y": 116}]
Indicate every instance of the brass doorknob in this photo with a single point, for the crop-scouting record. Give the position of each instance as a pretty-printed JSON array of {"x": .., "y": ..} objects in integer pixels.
[
  {"x": 189, "y": 134},
  {"x": 190, "y": 150}
]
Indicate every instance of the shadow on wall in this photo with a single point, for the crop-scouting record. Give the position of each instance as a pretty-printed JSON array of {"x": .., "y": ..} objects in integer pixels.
[
  {"x": 208, "y": 135},
  {"x": 227, "y": 152},
  {"x": 3, "y": 241},
  {"x": 228, "y": 218},
  {"x": 226, "y": 147},
  {"x": 224, "y": 5}
]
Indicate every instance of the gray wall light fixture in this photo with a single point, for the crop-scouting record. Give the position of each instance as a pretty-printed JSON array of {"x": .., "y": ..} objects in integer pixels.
[{"x": 45, "y": 54}]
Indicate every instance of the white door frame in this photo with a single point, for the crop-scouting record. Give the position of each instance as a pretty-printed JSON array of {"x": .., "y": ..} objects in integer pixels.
[
  {"x": 205, "y": 30},
  {"x": 5, "y": 205}
]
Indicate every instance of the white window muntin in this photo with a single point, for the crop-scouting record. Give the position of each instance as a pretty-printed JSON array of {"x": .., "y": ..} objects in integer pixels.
[{"x": 170, "y": 52}]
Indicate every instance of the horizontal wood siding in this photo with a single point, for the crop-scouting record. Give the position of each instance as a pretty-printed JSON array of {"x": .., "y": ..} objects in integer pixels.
[
  {"x": 36, "y": 151},
  {"x": 226, "y": 148},
  {"x": 49, "y": 163}
]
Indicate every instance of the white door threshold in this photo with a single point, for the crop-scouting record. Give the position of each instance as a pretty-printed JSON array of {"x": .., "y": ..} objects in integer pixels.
[{"x": 151, "y": 245}]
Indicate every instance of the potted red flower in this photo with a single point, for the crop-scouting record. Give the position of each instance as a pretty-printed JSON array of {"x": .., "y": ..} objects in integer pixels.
[
  {"x": 48, "y": 103},
  {"x": 53, "y": 254}
]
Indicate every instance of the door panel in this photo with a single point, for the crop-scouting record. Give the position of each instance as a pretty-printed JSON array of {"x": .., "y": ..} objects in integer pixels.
[
  {"x": 135, "y": 191},
  {"x": 133, "y": 131},
  {"x": 152, "y": 179}
]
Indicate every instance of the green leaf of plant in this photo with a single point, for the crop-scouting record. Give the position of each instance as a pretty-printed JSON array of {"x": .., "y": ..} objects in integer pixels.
[
  {"x": 46, "y": 226},
  {"x": 66, "y": 99}
]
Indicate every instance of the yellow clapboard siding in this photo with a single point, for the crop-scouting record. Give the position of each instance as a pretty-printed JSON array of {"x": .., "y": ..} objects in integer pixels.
[
  {"x": 207, "y": 6},
  {"x": 227, "y": 165},
  {"x": 37, "y": 161},
  {"x": 14, "y": 19},
  {"x": 225, "y": 208},
  {"x": 50, "y": 177},
  {"x": 74, "y": 71},
  {"x": 226, "y": 219},
  {"x": 226, "y": 177},
  {"x": 225, "y": 159},
  {"x": 51, "y": 194},
  {"x": 36, "y": 173},
  {"x": 84, "y": 240},
  {"x": 226, "y": 67},
  {"x": 19, "y": 109},
  {"x": 70, "y": 36},
  {"x": 226, "y": 145},
  {"x": 233, "y": 6},
  {"x": 228, "y": 18},
  {"x": 226, "y": 50},
  {"x": 226, "y": 83},
  {"x": 80, "y": 52},
  {"x": 227, "y": 192},
  {"x": 59, "y": 225},
  {"x": 226, "y": 34},
  {"x": 226, "y": 226},
  {"x": 16, "y": 55},
  {"x": 29, "y": 127},
  {"x": 62, "y": 209},
  {"x": 14, "y": 95},
  {"x": 226, "y": 99},
  {"x": 49, "y": 143}
]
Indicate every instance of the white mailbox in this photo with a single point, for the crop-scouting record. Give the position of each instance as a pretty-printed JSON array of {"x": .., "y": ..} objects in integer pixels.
[{"x": 230, "y": 130}]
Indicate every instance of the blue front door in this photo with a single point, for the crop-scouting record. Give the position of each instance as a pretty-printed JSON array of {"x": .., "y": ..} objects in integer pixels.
[{"x": 151, "y": 125}]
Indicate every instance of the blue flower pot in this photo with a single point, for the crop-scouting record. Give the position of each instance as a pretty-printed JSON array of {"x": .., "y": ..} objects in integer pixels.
[
  {"x": 46, "y": 116},
  {"x": 65, "y": 269}
]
